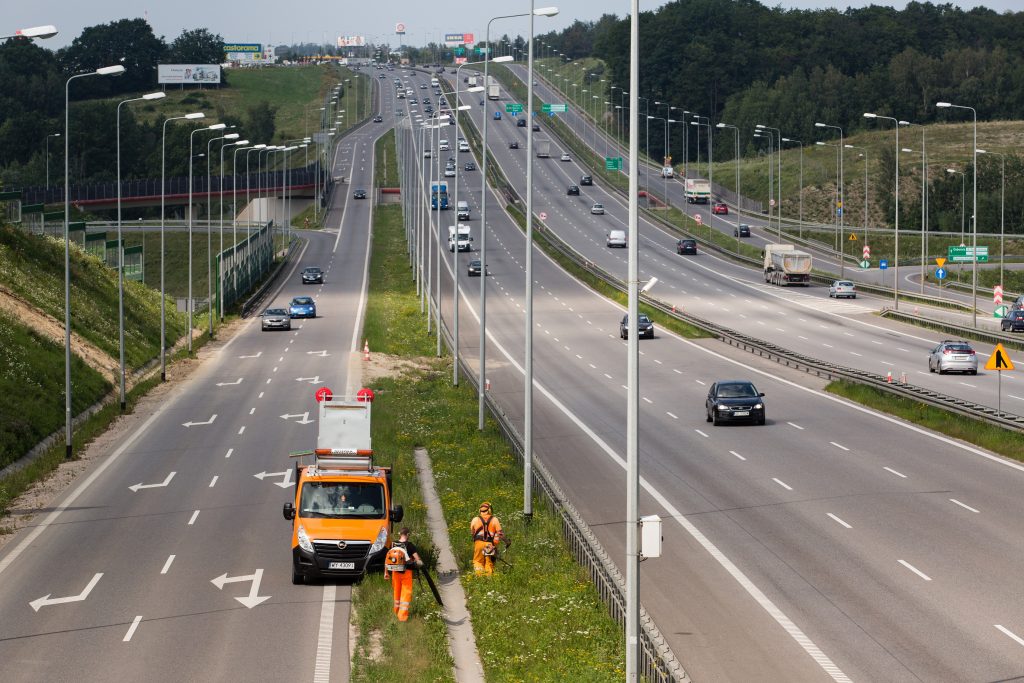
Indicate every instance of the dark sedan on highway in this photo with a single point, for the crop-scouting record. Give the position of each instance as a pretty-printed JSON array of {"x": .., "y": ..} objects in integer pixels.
[
  {"x": 312, "y": 276},
  {"x": 734, "y": 401},
  {"x": 686, "y": 247},
  {"x": 646, "y": 327},
  {"x": 359, "y": 194},
  {"x": 1013, "y": 322}
]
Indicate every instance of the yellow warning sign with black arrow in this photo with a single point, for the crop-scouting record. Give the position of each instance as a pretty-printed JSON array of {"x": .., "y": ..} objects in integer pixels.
[{"x": 999, "y": 360}]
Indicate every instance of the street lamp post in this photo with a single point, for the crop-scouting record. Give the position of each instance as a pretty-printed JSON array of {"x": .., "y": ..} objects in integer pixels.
[
  {"x": 51, "y": 135},
  {"x": 837, "y": 202},
  {"x": 220, "y": 186},
  {"x": 1002, "y": 210},
  {"x": 736, "y": 130},
  {"x": 841, "y": 196},
  {"x": 963, "y": 202},
  {"x": 974, "y": 208},
  {"x": 115, "y": 70},
  {"x": 801, "y": 214},
  {"x": 163, "y": 194},
  {"x": 864, "y": 154},
  {"x": 777, "y": 141},
  {"x": 209, "y": 220},
  {"x": 896, "y": 249},
  {"x": 234, "y": 204},
  {"x": 190, "y": 306},
  {"x": 767, "y": 135}
]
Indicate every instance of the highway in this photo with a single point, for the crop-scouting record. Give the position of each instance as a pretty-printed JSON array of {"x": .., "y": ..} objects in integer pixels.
[
  {"x": 833, "y": 543},
  {"x": 169, "y": 559}
]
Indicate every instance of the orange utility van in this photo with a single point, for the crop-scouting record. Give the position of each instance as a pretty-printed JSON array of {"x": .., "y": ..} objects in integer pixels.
[{"x": 342, "y": 512}]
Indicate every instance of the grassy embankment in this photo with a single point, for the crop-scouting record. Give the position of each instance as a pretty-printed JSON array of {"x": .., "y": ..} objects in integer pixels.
[{"x": 538, "y": 618}]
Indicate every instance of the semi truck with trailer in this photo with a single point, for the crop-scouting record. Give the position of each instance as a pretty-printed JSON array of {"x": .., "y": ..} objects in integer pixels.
[
  {"x": 493, "y": 89},
  {"x": 542, "y": 146},
  {"x": 785, "y": 265},
  {"x": 439, "y": 189}
]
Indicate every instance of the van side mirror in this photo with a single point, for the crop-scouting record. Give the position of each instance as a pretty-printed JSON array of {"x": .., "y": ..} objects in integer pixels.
[
  {"x": 761, "y": 394},
  {"x": 288, "y": 511},
  {"x": 397, "y": 513}
]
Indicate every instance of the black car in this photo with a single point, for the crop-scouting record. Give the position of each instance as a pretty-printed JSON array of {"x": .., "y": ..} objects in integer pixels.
[
  {"x": 473, "y": 270},
  {"x": 686, "y": 247},
  {"x": 573, "y": 190},
  {"x": 734, "y": 400},
  {"x": 646, "y": 327},
  {"x": 1013, "y": 321},
  {"x": 586, "y": 180},
  {"x": 536, "y": 127},
  {"x": 513, "y": 145},
  {"x": 742, "y": 230},
  {"x": 378, "y": 119},
  {"x": 359, "y": 194},
  {"x": 312, "y": 275},
  {"x": 470, "y": 166},
  {"x": 521, "y": 123}
]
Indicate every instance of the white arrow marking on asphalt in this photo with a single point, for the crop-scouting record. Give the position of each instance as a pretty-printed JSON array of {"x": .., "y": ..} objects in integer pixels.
[
  {"x": 311, "y": 380},
  {"x": 256, "y": 356},
  {"x": 165, "y": 482},
  {"x": 193, "y": 424},
  {"x": 46, "y": 600},
  {"x": 304, "y": 421},
  {"x": 230, "y": 384},
  {"x": 284, "y": 483},
  {"x": 253, "y": 598},
  {"x": 321, "y": 353}
]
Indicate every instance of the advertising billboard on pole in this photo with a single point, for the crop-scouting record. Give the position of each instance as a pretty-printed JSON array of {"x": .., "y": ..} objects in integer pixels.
[
  {"x": 351, "y": 41},
  {"x": 178, "y": 74}
]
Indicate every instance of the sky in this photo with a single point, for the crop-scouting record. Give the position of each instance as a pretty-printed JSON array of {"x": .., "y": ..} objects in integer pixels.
[{"x": 272, "y": 22}]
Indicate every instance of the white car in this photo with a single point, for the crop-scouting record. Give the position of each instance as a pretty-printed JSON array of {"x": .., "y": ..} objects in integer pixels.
[
  {"x": 565, "y": 157},
  {"x": 426, "y": 154},
  {"x": 842, "y": 288},
  {"x": 597, "y": 209},
  {"x": 449, "y": 173}
]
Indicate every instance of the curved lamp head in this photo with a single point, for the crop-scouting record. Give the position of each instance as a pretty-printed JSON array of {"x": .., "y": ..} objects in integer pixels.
[
  {"x": 502, "y": 59},
  {"x": 943, "y": 105},
  {"x": 545, "y": 11},
  {"x": 115, "y": 70},
  {"x": 239, "y": 143},
  {"x": 37, "y": 32},
  {"x": 231, "y": 136},
  {"x": 869, "y": 115},
  {"x": 195, "y": 115},
  {"x": 154, "y": 95},
  {"x": 217, "y": 126}
]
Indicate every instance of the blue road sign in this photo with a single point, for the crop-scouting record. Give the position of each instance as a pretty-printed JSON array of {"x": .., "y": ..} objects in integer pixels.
[
  {"x": 883, "y": 264},
  {"x": 839, "y": 211},
  {"x": 940, "y": 273}
]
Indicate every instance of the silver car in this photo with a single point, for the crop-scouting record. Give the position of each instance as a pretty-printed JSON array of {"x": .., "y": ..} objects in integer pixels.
[
  {"x": 276, "y": 319},
  {"x": 597, "y": 209},
  {"x": 842, "y": 288},
  {"x": 953, "y": 356}
]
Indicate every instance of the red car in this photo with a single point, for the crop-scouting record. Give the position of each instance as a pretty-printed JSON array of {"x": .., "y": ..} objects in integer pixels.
[{"x": 720, "y": 208}]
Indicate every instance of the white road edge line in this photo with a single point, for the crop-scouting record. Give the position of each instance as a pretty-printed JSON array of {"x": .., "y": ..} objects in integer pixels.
[
  {"x": 322, "y": 671},
  {"x": 131, "y": 629},
  {"x": 915, "y": 570},
  {"x": 1011, "y": 634}
]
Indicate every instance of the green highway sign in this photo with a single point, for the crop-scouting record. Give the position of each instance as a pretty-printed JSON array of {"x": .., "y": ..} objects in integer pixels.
[
  {"x": 966, "y": 254},
  {"x": 513, "y": 108},
  {"x": 1000, "y": 311},
  {"x": 613, "y": 163},
  {"x": 555, "y": 108},
  {"x": 865, "y": 264}
]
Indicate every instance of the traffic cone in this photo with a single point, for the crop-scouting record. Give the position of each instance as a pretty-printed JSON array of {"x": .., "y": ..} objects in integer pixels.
[
  {"x": 673, "y": 308},
  {"x": 366, "y": 349},
  {"x": 888, "y": 377}
]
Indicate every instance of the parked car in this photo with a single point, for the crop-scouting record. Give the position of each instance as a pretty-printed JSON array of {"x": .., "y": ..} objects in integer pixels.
[
  {"x": 597, "y": 209},
  {"x": 574, "y": 190},
  {"x": 312, "y": 275},
  {"x": 513, "y": 144},
  {"x": 953, "y": 356},
  {"x": 275, "y": 319},
  {"x": 473, "y": 270},
  {"x": 720, "y": 208},
  {"x": 565, "y": 157},
  {"x": 644, "y": 325},
  {"x": 842, "y": 288},
  {"x": 586, "y": 180},
  {"x": 734, "y": 400},
  {"x": 521, "y": 123},
  {"x": 302, "y": 307},
  {"x": 741, "y": 230},
  {"x": 470, "y": 166},
  {"x": 359, "y": 194},
  {"x": 686, "y": 247},
  {"x": 1013, "y": 321}
]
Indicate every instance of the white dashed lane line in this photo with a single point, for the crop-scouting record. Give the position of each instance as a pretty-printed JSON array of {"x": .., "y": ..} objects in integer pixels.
[
  {"x": 839, "y": 521},
  {"x": 915, "y": 570}
]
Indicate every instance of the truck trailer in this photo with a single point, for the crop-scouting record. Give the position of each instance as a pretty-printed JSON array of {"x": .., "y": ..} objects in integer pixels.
[
  {"x": 542, "y": 146},
  {"x": 441, "y": 189},
  {"x": 493, "y": 89},
  {"x": 698, "y": 191},
  {"x": 784, "y": 265}
]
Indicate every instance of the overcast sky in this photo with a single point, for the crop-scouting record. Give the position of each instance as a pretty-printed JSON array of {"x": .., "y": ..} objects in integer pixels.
[{"x": 275, "y": 22}]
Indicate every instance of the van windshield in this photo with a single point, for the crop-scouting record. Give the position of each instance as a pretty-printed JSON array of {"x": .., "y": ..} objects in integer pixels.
[{"x": 341, "y": 500}]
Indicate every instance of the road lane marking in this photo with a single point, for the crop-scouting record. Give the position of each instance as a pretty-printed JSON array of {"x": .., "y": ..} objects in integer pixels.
[
  {"x": 702, "y": 433},
  {"x": 252, "y": 410},
  {"x": 322, "y": 670},
  {"x": 261, "y": 395},
  {"x": 915, "y": 570},
  {"x": 167, "y": 564},
  {"x": 674, "y": 417},
  {"x": 213, "y": 482},
  {"x": 782, "y": 484},
  {"x": 192, "y": 519},
  {"x": 839, "y": 446},
  {"x": 963, "y": 505},
  {"x": 131, "y": 629},
  {"x": 737, "y": 455},
  {"x": 230, "y": 451},
  {"x": 898, "y": 474},
  {"x": 241, "y": 430},
  {"x": 678, "y": 372},
  {"x": 648, "y": 400},
  {"x": 791, "y": 424},
  {"x": 1011, "y": 634},
  {"x": 839, "y": 521}
]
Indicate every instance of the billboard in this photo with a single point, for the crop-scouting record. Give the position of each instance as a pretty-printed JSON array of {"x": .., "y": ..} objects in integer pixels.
[
  {"x": 351, "y": 41},
  {"x": 400, "y": 28},
  {"x": 243, "y": 52},
  {"x": 243, "y": 47},
  {"x": 188, "y": 73},
  {"x": 453, "y": 39}
]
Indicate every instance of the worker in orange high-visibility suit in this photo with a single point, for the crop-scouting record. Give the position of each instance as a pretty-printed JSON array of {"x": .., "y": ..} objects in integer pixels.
[
  {"x": 487, "y": 533},
  {"x": 399, "y": 563}
]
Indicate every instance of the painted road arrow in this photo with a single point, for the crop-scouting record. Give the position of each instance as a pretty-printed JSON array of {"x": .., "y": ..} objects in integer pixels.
[
  {"x": 162, "y": 484},
  {"x": 311, "y": 380},
  {"x": 46, "y": 600},
  {"x": 253, "y": 598},
  {"x": 255, "y": 356},
  {"x": 322, "y": 353},
  {"x": 230, "y": 384},
  {"x": 304, "y": 421},
  {"x": 193, "y": 424},
  {"x": 284, "y": 483}
]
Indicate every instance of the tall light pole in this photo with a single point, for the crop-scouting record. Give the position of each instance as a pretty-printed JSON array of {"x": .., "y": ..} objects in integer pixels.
[
  {"x": 864, "y": 154},
  {"x": 767, "y": 135},
  {"x": 209, "y": 221},
  {"x": 777, "y": 140},
  {"x": 482, "y": 385},
  {"x": 163, "y": 195},
  {"x": 120, "y": 247},
  {"x": 51, "y": 135},
  {"x": 835, "y": 217},
  {"x": 974, "y": 208},
  {"x": 963, "y": 201},
  {"x": 1002, "y": 211},
  {"x": 737, "y": 131},
  {"x": 841, "y": 197},
  {"x": 220, "y": 186},
  {"x": 896, "y": 255},
  {"x": 924, "y": 198},
  {"x": 801, "y": 218},
  {"x": 115, "y": 70},
  {"x": 234, "y": 203},
  {"x": 191, "y": 143}
]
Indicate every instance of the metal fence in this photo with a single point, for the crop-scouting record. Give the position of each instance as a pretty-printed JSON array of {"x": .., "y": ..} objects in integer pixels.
[{"x": 239, "y": 267}]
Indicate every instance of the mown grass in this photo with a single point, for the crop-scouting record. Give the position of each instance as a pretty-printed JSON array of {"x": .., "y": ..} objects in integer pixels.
[
  {"x": 33, "y": 269},
  {"x": 990, "y": 437},
  {"x": 386, "y": 166},
  {"x": 538, "y": 618},
  {"x": 32, "y": 388}
]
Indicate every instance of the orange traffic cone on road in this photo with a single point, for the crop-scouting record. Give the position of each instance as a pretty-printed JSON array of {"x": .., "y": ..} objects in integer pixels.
[
  {"x": 888, "y": 377},
  {"x": 366, "y": 349}
]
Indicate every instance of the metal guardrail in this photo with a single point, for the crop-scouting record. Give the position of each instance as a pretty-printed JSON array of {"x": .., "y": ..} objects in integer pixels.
[{"x": 959, "y": 330}]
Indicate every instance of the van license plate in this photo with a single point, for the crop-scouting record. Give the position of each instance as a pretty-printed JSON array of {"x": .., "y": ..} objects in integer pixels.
[
  {"x": 341, "y": 565},
  {"x": 741, "y": 413}
]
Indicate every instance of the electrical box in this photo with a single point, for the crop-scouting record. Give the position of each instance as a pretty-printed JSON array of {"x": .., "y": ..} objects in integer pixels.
[{"x": 650, "y": 536}]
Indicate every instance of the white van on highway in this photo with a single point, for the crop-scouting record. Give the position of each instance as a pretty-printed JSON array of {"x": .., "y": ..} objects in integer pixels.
[
  {"x": 444, "y": 146},
  {"x": 462, "y": 210},
  {"x": 616, "y": 238}
]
